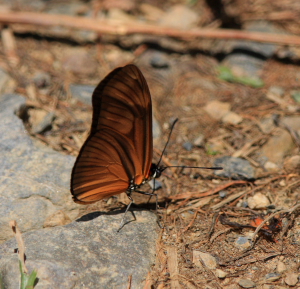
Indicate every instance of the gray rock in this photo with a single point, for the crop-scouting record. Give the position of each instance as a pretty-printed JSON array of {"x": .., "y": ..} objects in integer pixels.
[
  {"x": 265, "y": 49},
  {"x": 159, "y": 60},
  {"x": 243, "y": 64},
  {"x": 86, "y": 254},
  {"x": 234, "y": 168},
  {"x": 271, "y": 277},
  {"x": 187, "y": 146},
  {"x": 34, "y": 182},
  {"x": 247, "y": 58},
  {"x": 82, "y": 92},
  {"x": 223, "y": 194}
]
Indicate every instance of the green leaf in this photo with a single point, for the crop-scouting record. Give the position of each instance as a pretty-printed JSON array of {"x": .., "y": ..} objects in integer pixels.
[
  {"x": 27, "y": 281},
  {"x": 296, "y": 95},
  {"x": 226, "y": 74},
  {"x": 31, "y": 280},
  {"x": 1, "y": 282}
]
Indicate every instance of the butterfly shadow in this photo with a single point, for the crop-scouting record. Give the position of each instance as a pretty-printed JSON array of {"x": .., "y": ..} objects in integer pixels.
[{"x": 126, "y": 219}]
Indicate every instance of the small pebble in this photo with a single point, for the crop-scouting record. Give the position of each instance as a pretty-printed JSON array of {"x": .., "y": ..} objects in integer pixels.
[
  {"x": 281, "y": 267},
  {"x": 187, "y": 146},
  {"x": 208, "y": 260},
  {"x": 258, "y": 201},
  {"x": 217, "y": 109},
  {"x": 199, "y": 141},
  {"x": 159, "y": 60},
  {"x": 271, "y": 277},
  {"x": 223, "y": 194},
  {"x": 221, "y": 274},
  {"x": 291, "y": 279},
  {"x": 271, "y": 167},
  {"x": 232, "y": 118},
  {"x": 246, "y": 283},
  {"x": 243, "y": 242},
  {"x": 277, "y": 90}
]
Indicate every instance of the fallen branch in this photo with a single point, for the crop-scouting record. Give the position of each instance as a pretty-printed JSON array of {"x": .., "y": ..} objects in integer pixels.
[{"x": 120, "y": 28}]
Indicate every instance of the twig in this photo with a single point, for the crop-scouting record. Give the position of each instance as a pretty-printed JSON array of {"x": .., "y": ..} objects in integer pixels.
[
  {"x": 129, "y": 282},
  {"x": 191, "y": 222},
  {"x": 21, "y": 246},
  {"x": 119, "y": 28},
  {"x": 173, "y": 267}
]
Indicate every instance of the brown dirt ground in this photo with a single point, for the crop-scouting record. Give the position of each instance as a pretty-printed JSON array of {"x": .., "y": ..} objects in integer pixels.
[{"x": 185, "y": 230}]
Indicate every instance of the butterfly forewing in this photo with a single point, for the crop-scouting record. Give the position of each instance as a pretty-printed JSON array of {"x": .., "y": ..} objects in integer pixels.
[{"x": 118, "y": 150}]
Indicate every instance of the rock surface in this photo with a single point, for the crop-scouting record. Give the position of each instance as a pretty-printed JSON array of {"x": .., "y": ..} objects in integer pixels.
[
  {"x": 86, "y": 254},
  {"x": 34, "y": 181}
]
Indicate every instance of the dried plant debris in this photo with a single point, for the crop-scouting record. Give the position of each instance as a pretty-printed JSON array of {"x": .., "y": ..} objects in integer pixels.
[{"x": 236, "y": 227}]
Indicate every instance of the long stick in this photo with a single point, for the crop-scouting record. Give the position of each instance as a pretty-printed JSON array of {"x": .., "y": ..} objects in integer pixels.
[{"x": 119, "y": 28}]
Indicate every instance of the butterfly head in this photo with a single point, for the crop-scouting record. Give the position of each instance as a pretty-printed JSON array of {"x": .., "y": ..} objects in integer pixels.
[{"x": 155, "y": 171}]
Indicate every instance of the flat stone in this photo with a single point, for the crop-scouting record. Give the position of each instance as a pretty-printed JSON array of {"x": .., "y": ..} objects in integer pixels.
[
  {"x": 208, "y": 260},
  {"x": 35, "y": 181},
  {"x": 234, "y": 168},
  {"x": 278, "y": 146},
  {"x": 291, "y": 279},
  {"x": 247, "y": 283},
  {"x": 88, "y": 253}
]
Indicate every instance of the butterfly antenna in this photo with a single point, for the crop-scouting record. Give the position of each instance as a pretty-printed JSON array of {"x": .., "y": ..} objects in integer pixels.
[{"x": 170, "y": 133}]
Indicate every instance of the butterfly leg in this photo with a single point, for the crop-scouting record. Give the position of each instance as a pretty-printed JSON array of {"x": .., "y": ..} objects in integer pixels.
[
  {"x": 157, "y": 206},
  {"x": 128, "y": 207},
  {"x": 151, "y": 195}
]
